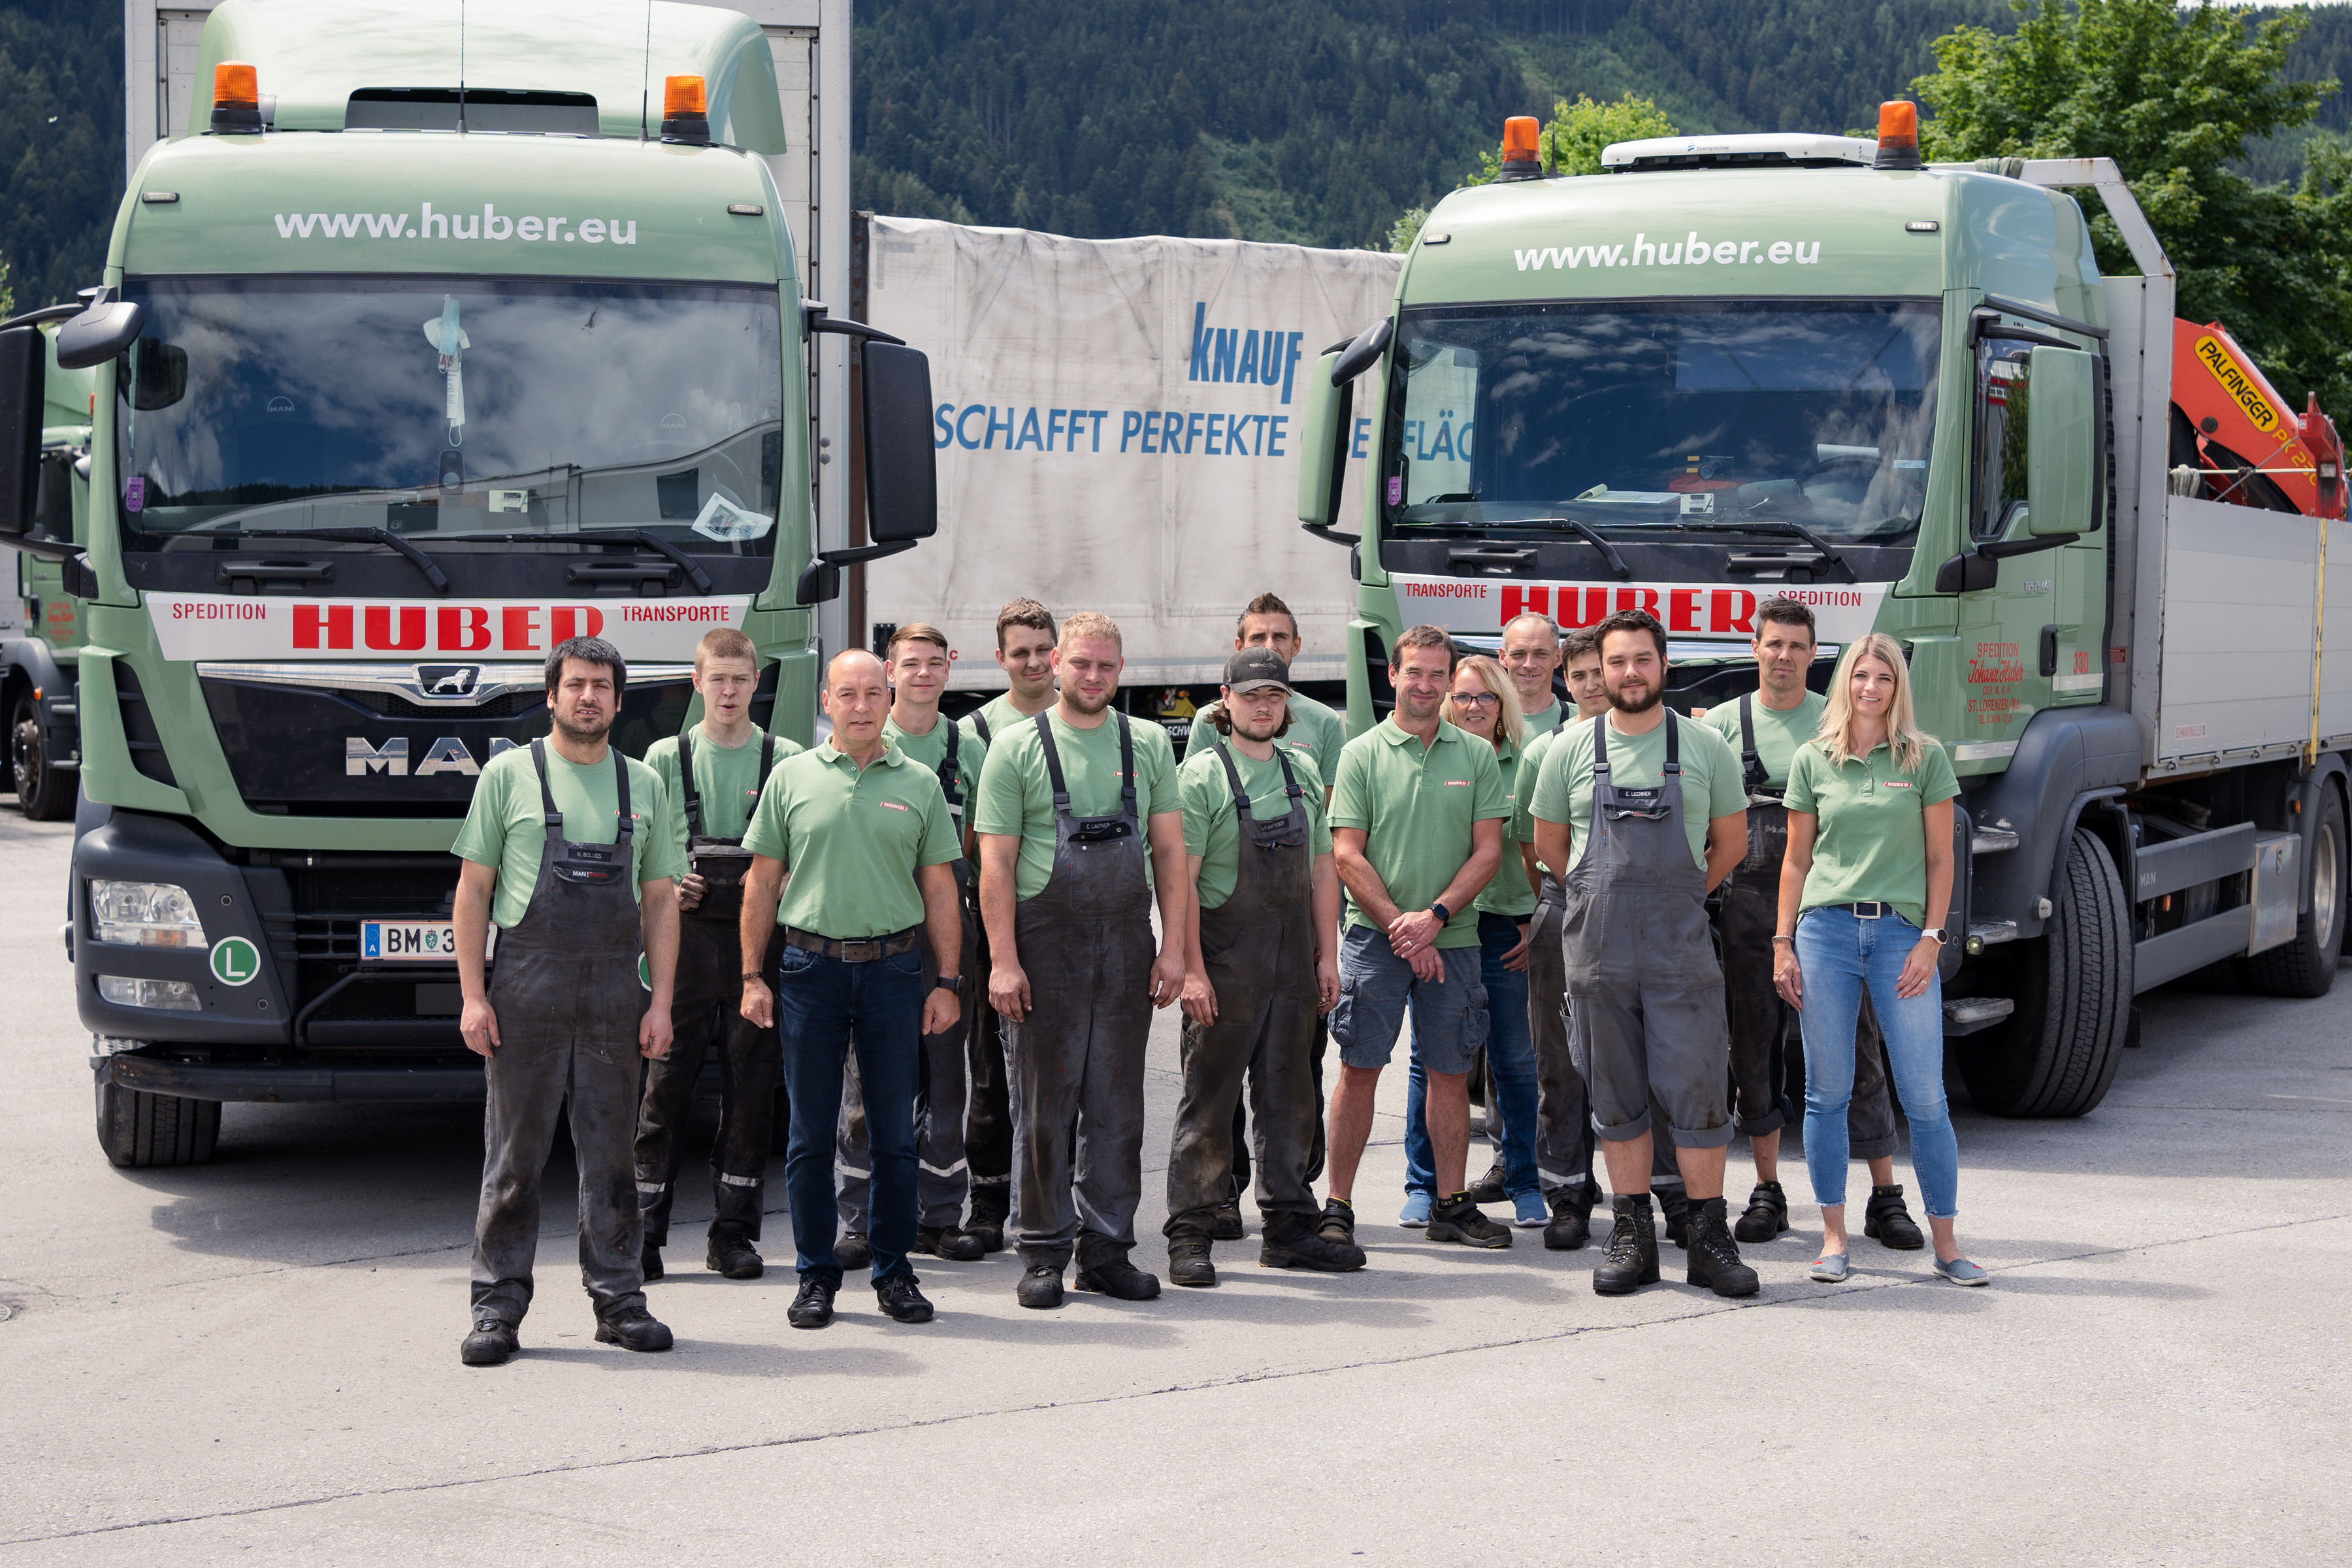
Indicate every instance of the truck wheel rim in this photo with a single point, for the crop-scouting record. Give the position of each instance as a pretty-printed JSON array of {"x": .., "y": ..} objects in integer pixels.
[{"x": 2323, "y": 890}]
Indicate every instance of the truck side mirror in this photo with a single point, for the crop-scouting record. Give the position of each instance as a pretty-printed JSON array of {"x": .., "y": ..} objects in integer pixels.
[
  {"x": 1323, "y": 444},
  {"x": 102, "y": 331},
  {"x": 24, "y": 369},
  {"x": 2061, "y": 463},
  {"x": 902, "y": 492}
]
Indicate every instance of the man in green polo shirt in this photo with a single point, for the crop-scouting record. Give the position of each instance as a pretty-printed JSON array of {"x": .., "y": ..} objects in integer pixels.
[
  {"x": 1767, "y": 726},
  {"x": 708, "y": 809},
  {"x": 1417, "y": 832},
  {"x": 1025, "y": 636},
  {"x": 1646, "y": 810},
  {"x": 871, "y": 845},
  {"x": 1530, "y": 654}
]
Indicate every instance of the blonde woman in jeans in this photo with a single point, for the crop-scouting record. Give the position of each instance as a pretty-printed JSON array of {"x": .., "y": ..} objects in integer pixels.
[{"x": 1863, "y": 892}]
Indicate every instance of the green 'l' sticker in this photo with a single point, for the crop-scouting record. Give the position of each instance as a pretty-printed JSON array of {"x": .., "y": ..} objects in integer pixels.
[
  {"x": 236, "y": 961},
  {"x": 645, "y": 975}
]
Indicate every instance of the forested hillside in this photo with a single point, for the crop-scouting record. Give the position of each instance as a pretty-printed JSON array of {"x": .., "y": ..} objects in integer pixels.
[{"x": 1316, "y": 121}]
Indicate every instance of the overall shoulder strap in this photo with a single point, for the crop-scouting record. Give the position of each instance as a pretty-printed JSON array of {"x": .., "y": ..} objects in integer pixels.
[
  {"x": 1054, "y": 765},
  {"x": 1234, "y": 778},
  {"x": 546, "y": 796},
  {"x": 1674, "y": 742},
  {"x": 766, "y": 758},
  {"x": 1751, "y": 766},
  {"x": 1289, "y": 780},
  {"x": 1125, "y": 764},
  {"x": 686, "y": 782},
  {"x": 627, "y": 823},
  {"x": 980, "y": 723},
  {"x": 951, "y": 771}
]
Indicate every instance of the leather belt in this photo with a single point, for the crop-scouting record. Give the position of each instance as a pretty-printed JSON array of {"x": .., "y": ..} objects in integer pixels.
[
  {"x": 1867, "y": 910},
  {"x": 863, "y": 951}
]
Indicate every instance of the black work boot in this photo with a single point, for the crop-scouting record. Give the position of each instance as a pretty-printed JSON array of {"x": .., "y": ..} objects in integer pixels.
[
  {"x": 1291, "y": 1241},
  {"x": 1571, "y": 1216},
  {"x": 1040, "y": 1287},
  {"x": 1488, "y": 1188},
  {"x": 811, "y": 1307},
  {"x": 1767, "y": 1216},
  {"x": 1714, "y": 1258},
  {"x": 947, "y": 1241},
  {"x": 1632, "y": 1258},
  {"x": 492, "y": 1340},
  {"x": 1339, "y": 1222},
  {"x": 853, "y": 1251},
  {"x": 899, "y": 1299},
  {"x": 1228, "y": 1222},
  {"x": 635, "y": 1329},
  {"x": 649, "y": 1263},
  {"x": 1120, "y": 1280},
  {"x": 1888, "y": 1223},
  {"x": 735, "y": 1257},
  {"x": 1676, "y": 1208},
  {"x": 1458, "y": 1219},
  {"x": 1188, "y": 1261},
  {"x": 990, "y": 1210}
]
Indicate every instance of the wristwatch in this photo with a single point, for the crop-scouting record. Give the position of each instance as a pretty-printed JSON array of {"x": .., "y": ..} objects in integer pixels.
[
  {"x": 1441, "y": 911},
  {"x": 1937, "y": 932},
  {"x": 948, "y": 983}
]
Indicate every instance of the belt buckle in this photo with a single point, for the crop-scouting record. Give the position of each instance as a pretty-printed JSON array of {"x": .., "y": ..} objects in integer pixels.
[
  {"x": 860, "y": 951},
  {"x": 1877, "y": 908}
]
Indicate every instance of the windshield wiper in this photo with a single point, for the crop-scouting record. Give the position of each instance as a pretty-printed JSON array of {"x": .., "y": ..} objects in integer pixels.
[
  {"x": 1780, "y": 525},
  {"x": 651, "y": 540},
  {"x": 1542, "y": 526},
  {"x": 359, "y": 535}
]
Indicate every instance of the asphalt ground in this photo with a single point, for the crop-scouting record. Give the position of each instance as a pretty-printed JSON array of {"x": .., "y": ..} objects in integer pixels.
[{"x": 256, "y": 1360}]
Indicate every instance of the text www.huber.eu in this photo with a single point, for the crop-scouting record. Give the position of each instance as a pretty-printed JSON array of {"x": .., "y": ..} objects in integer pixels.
[
  {"x": 428, "y": 223},
  {"x": 1692, "y": 251}
]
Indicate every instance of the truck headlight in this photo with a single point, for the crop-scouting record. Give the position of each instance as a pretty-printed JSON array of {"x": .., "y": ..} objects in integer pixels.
[
  {"x": 145, "y": 914},
  {"x": 172, "y": 995}
]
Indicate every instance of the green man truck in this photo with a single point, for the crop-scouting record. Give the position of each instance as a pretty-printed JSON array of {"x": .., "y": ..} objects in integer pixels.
[
  {"x": 40, "y": 623},
  {"x": 1732, "y": 367},
  {"x": 443, "y": 334}
]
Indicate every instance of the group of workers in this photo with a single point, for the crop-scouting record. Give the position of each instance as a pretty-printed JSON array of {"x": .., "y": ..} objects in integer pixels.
[{"x": 937, "y": 938}]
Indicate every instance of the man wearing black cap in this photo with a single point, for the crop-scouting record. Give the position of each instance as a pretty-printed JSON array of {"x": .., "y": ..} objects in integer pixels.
[{"x": 1261, "y": 963}]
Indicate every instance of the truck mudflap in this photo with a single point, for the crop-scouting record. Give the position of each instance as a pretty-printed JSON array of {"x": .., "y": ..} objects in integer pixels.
[
  {"x": 269, "y": 1082},
  {"x": 2062, "y": 754}
]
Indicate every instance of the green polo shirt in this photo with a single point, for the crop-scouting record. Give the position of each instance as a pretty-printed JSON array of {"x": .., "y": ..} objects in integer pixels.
[
  {"x": 506, "y": 828},
  {"x": 1416, "y": 806},
  {"x": 931, "y": 751},
  {"x": 853, "y": 837},
  {"x": 1711, "y": 785},
  {"x": 1316, "y": 732},
  {"x": 1778, "y": 732},
  {"x": 1523, "y": 786},
  {"x": 1542, "y": 721},
  {"x": 1016, "y": 794},
  {"x": 1000, "y": 715},
  {"x": 728, "y": 780},
  {"x": 1872, "y": 840},
  {"x": 1211, "y": 825},
  {"x": 1509, "y": 894}
]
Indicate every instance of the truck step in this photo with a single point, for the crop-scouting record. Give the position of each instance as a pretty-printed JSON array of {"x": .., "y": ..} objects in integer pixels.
[
  {"x": 1992, "y": 840},
  {"x": 1983, "y": 934},
  {"x": 1967, "y": 1014}
]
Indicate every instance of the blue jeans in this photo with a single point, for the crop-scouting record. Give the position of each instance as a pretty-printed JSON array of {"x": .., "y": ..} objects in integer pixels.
[
  {"x": 1838, "y": 953},
  {"x": 1510, "y": 1062},
  {"x": 822, "y": 1004}
]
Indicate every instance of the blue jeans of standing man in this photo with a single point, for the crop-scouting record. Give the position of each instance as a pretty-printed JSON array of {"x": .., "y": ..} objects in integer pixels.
[
  {"x": 1840, "y": 953},
  {"x": 822, "y": 1006},
  {"x": 1510, "y": 1063}
]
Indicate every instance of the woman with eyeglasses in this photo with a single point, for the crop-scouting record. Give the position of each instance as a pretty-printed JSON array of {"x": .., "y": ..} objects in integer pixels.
[
  {"x": 1484, "y": 703},
  {"x": 1863, "y": 892}
]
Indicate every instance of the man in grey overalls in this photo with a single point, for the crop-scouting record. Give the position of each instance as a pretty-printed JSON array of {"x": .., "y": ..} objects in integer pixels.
[
  {"x": 1067, "y": 805},
  {"x": 565, "y": 1019},
  {"x": 1648, "y": 1016},
  {"x": 1264, "y": 965}
]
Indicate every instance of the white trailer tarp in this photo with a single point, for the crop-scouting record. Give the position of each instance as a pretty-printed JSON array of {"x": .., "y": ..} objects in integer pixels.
[{"x": 1118, "y": 430}]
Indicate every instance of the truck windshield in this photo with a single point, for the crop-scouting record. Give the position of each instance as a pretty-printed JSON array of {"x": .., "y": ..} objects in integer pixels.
[
  {"x": 1689, "y": 414},
  {"x": 443, "y": 407}
]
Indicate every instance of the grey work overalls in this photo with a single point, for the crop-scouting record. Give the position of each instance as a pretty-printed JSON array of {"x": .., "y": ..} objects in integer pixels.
[
  {"x": 706, "y": 1006},
  {"x": 1748, "y": 914},
  {"x": 1075, "y": 1065},
  {"x": 1259, "y": 947},
  {"x": 568, "y": 1000},
  {"x": 940, "y": 1174},
  {"x": 1640, "y": 962},
  {"x": 1563, "y": 1109}
]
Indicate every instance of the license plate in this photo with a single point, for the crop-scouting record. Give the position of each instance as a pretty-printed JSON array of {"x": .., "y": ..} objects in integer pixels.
[{"x": 411, "y": 941}]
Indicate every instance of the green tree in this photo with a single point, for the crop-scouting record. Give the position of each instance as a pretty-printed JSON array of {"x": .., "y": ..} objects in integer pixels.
[
  {"x": 2173, "y": 94},
  {"x": 1570, "y": 144},
  {"x": 7, "y": 294}
]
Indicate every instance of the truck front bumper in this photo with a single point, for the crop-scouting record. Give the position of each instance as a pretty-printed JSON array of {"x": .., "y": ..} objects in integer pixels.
[{"x": 270, "y": 1082}]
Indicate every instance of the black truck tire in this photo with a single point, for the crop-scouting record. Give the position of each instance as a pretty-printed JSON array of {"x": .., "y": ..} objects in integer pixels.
[
  {"x": 2306, "y": 966},
  {"x": 43, "y": 793},
  {"x": 2073, "y": 986},
  {"x": 138, "y": 1130}
]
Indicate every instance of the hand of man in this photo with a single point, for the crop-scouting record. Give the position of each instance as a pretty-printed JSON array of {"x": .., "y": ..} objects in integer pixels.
[
  {"x": 758, "y": 1004},
  {"x": 690, "y": 888},
  {"x": 1008, "y": 990},
  {"x": 653, "y": 1033},
  {"x": 1786, "y": 979},
  {"x": 479, "y": 1027},
  {"x": 1918, "y": 968},
  {"x": 1516, "y": 959},
  {"x": 1428, "y": 964},
  {"x": 1411, "y": 933},
  {"x": 1200, "y": 998},
  {"x": 940, "y": 1010},
  {"x": 1327, "y": 985},
  {"x": 1167, "y": 978}
]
